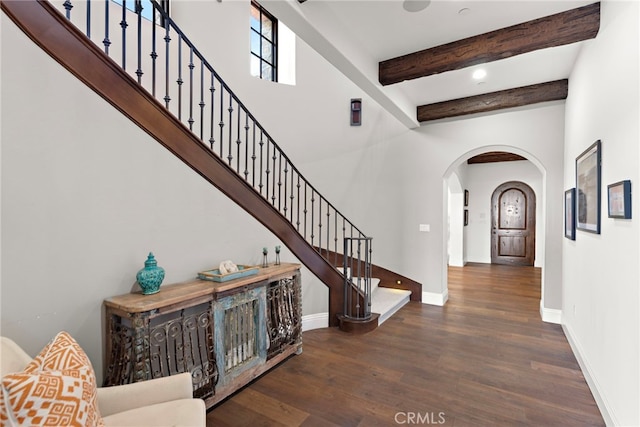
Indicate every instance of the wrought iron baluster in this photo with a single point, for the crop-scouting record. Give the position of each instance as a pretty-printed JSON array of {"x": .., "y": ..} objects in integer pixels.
[
  {"x": 238, "y": 140},
  {"x": 154, "y": 54},
  {"x": 335, "y": 238},
  {"x": 291, "y": 196},
  {"x": 124, "y": 25},
  {"x": 88, "y": 18},
  {"x": 106, "y": 42},
  {"x": 179, "y": 81},
  {"x": 261, "y": 143},
  {"x": 253, "y": 156},
  {"x": 138, "y": 9},
  {"x": 320, "y": 225},
  {"x": 212, "y": 89},
  {"x": 273, "y": 176},
  {"x": 246, "y": 146},
  {"x": 230, "y": 109},
  {"x": 167, "y": 41},
  {"x": 202, "y": 103},
  {"x": 359, "y": 274},
  {"x": 279, "y": 179},
  {"x": 369, "y": 261},
  {"x": 312, "y": 215},
  {"x": 266, "y": 196},
  {"x": 221, "y": 124},
  {"x": 67, "y": 7},
  {"x": 346, "y": 297},
  {"x": 328, "y": 224},
  {"x": 191, "y": 67},
  {"x": 298, "y": 210},
  {"x": 305, "y": 210},
  {"x": 344, "y": 233}
]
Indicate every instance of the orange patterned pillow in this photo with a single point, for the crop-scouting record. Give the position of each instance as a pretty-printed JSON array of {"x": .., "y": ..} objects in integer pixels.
[{"x": 58, "y": 388}]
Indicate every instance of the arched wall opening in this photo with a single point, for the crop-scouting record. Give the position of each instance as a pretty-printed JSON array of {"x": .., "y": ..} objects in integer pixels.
[{"x": 476, "y": 235}]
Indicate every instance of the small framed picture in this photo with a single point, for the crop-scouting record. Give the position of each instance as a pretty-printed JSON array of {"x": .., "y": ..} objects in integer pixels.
[
  {"x": 570, "y": 214},
  {"x": 466, "y": 197},
  {"x": 619, "y": 196},
  {"x": 466, "y": 217}
]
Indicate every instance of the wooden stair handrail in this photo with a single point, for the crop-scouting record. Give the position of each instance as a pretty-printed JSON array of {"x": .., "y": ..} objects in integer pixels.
[{"x": 52, "y": 32}]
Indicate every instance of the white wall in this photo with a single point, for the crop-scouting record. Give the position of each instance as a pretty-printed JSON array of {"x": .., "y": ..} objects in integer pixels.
[
  {"x": 482, "y": 180},
  {"x": 600, "y": 274}
]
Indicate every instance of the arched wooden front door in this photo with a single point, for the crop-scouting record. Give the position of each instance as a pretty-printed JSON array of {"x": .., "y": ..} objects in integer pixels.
[{"x": 513, "y": 224}]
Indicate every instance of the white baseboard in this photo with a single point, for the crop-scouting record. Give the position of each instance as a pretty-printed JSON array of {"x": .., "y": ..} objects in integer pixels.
[
  {"x": 315, "y": 321},
  {"x": 550, "y": 315},
  {"x": 607, "y": 415},
  {"x": 435, "y": 298}
]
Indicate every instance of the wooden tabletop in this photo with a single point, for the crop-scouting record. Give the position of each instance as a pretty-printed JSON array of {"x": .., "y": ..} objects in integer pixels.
[{"x": 136, "y": 302}]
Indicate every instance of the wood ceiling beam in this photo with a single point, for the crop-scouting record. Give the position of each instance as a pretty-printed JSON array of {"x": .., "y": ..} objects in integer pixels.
[
  {"x": 494, "y": 156},
  {"x": 555, "y": 30},
  {"x": 526, "y": 95}
]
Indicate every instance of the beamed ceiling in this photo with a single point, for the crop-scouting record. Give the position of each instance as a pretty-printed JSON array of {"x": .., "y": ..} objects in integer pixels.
[{"x": 418, "y": 65}]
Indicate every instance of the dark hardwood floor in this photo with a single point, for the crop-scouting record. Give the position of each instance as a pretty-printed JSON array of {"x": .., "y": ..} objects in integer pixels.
[{"x": 483, "y": 359}]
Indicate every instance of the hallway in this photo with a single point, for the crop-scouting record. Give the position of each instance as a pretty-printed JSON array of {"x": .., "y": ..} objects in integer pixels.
[{"x": 484, "y": 359}]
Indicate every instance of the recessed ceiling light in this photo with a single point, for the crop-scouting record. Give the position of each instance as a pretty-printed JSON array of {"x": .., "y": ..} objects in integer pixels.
[
  {"x": 479, "y": 74},
  {"x": 464, "y": 11},
  {"x": 415, "y": 5}
]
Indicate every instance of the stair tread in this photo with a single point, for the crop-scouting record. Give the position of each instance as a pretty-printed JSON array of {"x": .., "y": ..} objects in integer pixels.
[{"x": 386, "y": 301}]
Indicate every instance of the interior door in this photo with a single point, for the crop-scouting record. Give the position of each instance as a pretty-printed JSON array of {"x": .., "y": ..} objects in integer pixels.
[{"x": 513, "y": 224}]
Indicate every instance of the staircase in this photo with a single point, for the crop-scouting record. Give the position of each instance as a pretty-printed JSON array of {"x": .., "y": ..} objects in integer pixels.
[{"x": 173, "y": 93}]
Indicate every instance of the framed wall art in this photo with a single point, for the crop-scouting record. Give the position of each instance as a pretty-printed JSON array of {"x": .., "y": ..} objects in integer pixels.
[
  {"x": 619, "y": 197},
  {"x": 466, "y": 217},
  {"x": 588, "y": 182},
  {"x": 466, "y": 197},
  {"x": 570, "y": 214}
]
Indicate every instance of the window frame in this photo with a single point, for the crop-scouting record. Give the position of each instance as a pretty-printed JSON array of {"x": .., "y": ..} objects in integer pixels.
[{"x": 273, "y": 42}]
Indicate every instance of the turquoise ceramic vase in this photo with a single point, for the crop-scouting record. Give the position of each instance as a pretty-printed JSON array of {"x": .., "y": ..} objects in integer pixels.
[{"x": 151, "y": 276}]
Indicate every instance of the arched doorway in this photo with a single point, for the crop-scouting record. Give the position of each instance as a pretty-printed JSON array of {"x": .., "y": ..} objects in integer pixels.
[{"x": 513, "y": 224}]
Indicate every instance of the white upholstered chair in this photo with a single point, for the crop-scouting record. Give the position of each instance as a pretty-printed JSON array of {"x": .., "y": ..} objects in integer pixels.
[{"x": 159, "y": 402}]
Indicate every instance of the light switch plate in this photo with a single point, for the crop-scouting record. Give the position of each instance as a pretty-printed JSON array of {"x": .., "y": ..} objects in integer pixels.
[{"x": 425, "y": 227}]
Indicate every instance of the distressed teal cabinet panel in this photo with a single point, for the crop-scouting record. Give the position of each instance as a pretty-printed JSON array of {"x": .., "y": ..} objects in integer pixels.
[{"x": 240, "y": 333}]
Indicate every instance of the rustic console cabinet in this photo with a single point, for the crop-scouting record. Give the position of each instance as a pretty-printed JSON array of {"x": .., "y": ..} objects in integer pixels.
[{"x": 225, "y": 334}]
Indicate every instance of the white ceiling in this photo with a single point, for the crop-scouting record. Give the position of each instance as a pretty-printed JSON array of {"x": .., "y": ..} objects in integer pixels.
[{"x": 355, "y": 35}]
